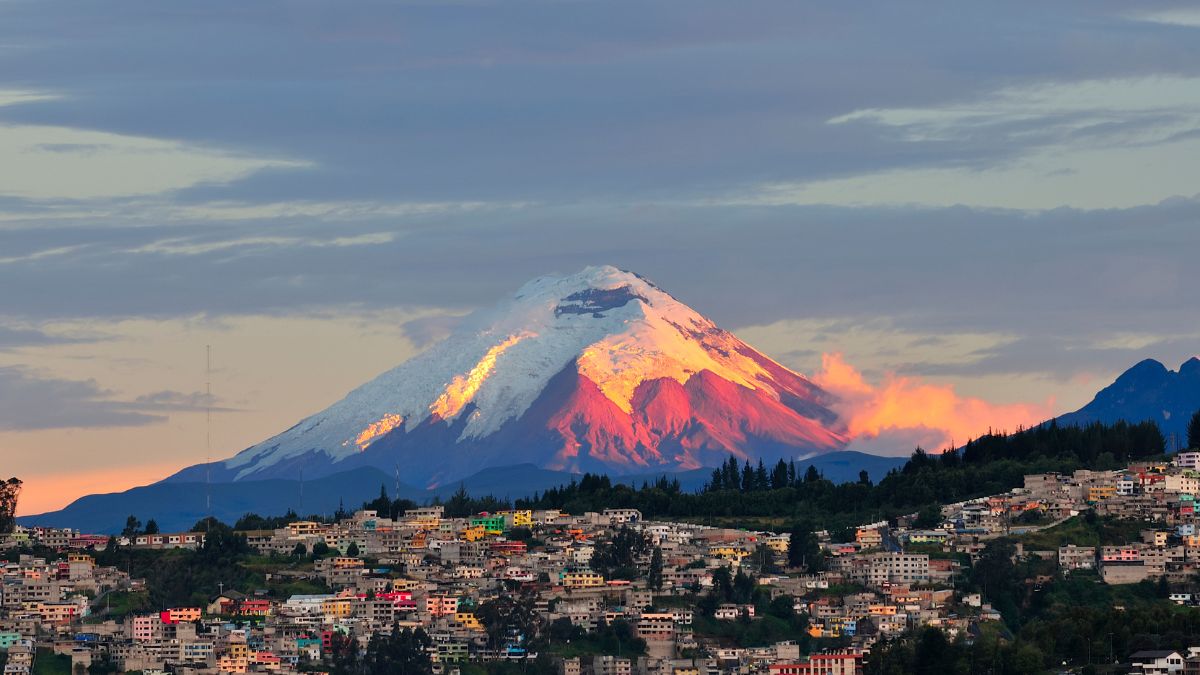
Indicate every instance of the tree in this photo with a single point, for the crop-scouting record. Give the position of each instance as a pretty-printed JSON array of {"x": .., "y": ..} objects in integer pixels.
[
  {"x": 761, "y": 480},
  {"x": 352, "y": 549},
  {"x": 509, "y": 621},
  {"x": 300, "y": 551},
  {"x": 779, "y": 477},
  {"x": 616, "y": 557},
  {"x": 864, "y": 478},
  {"x": 812, "y": 475},
  {"x": 10, "y": 490},
  {"x": 382, "y": 504},
  {"x": 763, "y": 559},
  {"x": 402, "y": 651},
  {"x": 132, "y": 526},
  {"x": 151, "y": 527},
  {"x": 655, "y": 577},
  {"x": 803, "y": 549},
  {"x": 1193, "y": 431},
  {"x": 928, "y": 517}
]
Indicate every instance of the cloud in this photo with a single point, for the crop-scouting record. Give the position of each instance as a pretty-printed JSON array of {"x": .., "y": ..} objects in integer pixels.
[
  {"x": 891, "y": 415},
  {"x": 175, "y": 401},
  {"x": 1110, "y": 143},
  {"x": 48, "y": 162},
  {"x": 29, "y": 402},
  {"x": 19, "y": 336},
  {"x": 424, "y": 331}
]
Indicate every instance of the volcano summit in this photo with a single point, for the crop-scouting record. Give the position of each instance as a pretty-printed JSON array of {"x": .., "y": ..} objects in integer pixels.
[{"x": 598, "y": 371}]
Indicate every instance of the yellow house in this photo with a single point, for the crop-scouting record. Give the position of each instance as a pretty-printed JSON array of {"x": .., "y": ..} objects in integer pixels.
[
  {"x": 238, "y": 651},
  {"x": 468, "y": 620},
  {"x": 779, "y": 543},
  {"x": 522, "y": 518},
  {"x": 729, "y": 552},
  {"x": 582, "y": 580},
  {"x": 868, "y": 537},
  {"x": 232, "y": 664},
  {"x": 301, "y": 528},
  {"x": 404, "y": 584},
  {"x": 474, "y": 533},
  {"x": 1101, "y": 492},
  {"x": 336, "y": 608},
  {"x": 834, "y": 625}
]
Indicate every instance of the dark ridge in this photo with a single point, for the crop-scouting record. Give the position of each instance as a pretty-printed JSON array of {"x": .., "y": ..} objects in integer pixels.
[{"x": 594, "y": 301}]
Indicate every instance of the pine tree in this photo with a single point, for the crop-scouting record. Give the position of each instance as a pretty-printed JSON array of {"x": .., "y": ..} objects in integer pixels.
[
  {"x": 779, "y": 477},
  {"x": 803, "y": 549},
  {"x": 1193, "y": 432},
  {"x": 132, "y": 526},
  {"x": 655, "y": 577}
]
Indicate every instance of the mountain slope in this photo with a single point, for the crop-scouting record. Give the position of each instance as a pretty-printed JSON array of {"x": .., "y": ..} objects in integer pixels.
[
  {"x": 596, "y": 371},
  {"x": 1147, "y": 391}
]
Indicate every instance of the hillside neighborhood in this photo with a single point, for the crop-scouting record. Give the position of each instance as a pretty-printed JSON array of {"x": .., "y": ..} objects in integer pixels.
[{"x": 573, "y": 590}]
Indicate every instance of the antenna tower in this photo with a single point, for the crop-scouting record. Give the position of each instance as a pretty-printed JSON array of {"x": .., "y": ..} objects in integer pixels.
[{"x": 208, "y": 429}]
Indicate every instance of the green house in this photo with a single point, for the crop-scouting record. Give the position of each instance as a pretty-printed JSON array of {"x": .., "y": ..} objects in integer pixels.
[{"x": 490, "y": 524}]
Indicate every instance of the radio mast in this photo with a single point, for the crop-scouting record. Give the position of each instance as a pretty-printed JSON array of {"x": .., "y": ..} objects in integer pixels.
[{"x": 208, "y": 430}]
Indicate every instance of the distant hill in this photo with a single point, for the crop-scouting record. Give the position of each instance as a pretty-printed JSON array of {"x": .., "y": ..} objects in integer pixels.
[
  {"x": 1147, "y": 391},
  {"x": 178, "y": 505}
]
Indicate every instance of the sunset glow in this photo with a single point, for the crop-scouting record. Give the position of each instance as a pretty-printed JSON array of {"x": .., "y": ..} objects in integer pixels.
[
  {"x": 50, "y": 491},
  {"x": 463, "y": 387},
  {"x": 378, "y": 429},
  {"x": 939, "y": 414}
]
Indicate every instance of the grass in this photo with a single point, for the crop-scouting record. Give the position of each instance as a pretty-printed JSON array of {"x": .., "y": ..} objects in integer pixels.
[
  {"x": 1103, "y": 531},
  {"x": 120, "y": 604},
  {"x": 758, "y": 632},
  {"x": 666, "y": 601},
  {"x": 46, "y": 662}
]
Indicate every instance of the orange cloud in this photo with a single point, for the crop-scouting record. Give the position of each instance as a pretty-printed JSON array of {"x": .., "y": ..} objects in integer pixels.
[{"x": 907, "y": 410}]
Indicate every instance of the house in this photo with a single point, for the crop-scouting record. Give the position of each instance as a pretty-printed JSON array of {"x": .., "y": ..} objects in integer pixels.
[{"x": 1156, "y": 662}]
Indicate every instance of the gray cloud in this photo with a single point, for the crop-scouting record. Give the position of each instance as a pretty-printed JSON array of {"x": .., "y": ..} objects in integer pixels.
[
  {"x": 429, "y": 329},
  {"x": 595, "y": 132},
  {"x": 534, "y": 100},
  {"x": 15, "y": 337},
  {"x": 30, "y": 401}
]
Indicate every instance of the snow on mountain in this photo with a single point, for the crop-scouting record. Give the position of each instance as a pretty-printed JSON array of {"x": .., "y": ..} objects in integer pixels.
[{"x": 600, "y": 369}]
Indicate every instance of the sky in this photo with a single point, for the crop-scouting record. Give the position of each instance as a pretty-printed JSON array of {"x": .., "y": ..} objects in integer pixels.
[{"x": 980, "y": 212}]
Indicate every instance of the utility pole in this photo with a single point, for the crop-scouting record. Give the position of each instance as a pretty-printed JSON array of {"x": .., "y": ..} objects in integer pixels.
[{"x": 208, "y": 430}]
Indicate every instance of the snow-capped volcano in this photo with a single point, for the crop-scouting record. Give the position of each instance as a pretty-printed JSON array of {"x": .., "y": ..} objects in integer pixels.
[{"x": 600, "y": 370}]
